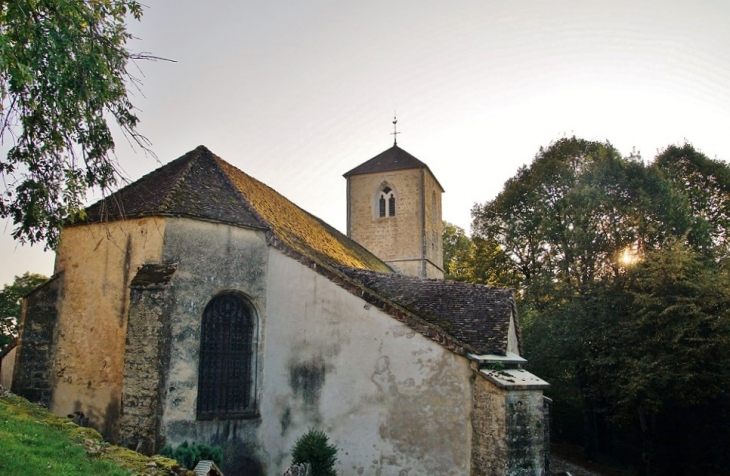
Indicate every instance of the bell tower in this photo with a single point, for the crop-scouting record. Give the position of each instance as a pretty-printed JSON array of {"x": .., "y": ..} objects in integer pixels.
[{"x": 394, "y": 210}]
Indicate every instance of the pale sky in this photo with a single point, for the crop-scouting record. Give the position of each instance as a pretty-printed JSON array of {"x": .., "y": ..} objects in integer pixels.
[{"x": 296, "y": 93}]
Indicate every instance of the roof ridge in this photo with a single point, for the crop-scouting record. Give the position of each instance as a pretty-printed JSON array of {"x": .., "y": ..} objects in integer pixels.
[
  {"x": 195, "y": 154},
  {"x": 297, "y": 228},
  {"x": 244, "y": 200}
]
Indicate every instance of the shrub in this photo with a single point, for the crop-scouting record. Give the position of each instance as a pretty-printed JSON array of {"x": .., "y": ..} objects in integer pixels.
[
  {"x": 189, "y": 455},
  {"x": 313, "y": 447}
]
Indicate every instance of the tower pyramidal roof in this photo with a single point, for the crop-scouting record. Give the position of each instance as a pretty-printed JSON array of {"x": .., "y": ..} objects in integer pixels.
[{"x": 389, "y": 160}]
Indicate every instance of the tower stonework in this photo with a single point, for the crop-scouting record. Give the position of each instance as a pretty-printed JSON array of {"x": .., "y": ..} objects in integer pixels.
[{"x": 394, "y": 210}]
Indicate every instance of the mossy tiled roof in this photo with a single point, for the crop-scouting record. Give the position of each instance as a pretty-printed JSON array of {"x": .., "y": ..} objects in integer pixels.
[
  {"x": 191, "y": 186},
  {"x": 298, "y": 229},
  {"x": 476, "y": 316},
  {"x": 201, "y": 185}
]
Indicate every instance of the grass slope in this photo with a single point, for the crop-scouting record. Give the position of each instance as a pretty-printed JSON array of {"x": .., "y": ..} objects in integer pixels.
[{"x": 36, "y": 442}]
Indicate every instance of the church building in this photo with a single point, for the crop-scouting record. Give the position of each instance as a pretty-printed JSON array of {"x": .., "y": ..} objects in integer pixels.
[{"x": 198, "y": 304}]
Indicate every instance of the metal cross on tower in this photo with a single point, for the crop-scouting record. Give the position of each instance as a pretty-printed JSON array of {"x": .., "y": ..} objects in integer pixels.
[{"x": 395, "y": 131}]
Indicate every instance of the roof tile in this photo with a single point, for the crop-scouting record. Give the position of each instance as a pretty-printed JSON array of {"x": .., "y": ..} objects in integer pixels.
[{"x": 474, "y": 314}]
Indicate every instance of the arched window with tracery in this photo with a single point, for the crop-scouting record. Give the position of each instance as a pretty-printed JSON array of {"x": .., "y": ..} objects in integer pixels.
[
  {"x": 226, "y": 371},
  {"x": 386, "y": 202}
]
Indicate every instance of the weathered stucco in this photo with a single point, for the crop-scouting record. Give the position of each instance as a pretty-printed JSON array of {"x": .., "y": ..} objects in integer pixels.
[
  {"x": 393, "y": 401},
  {"x": 411, "y": 240},
  {"x": 211, "y": 258},
  {"x": 98, "y": 262}
]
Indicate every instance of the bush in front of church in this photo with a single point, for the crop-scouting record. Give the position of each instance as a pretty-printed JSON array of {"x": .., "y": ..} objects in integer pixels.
[
  {"x": 189, "y": 455},
  {"x": 313, "y": 447}
]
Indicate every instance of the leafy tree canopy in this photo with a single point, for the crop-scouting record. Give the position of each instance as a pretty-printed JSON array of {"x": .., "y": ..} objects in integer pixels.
[
  {"x": 63, "y": 72},
  {"x": 456, "y": 245},
  {"x": 567, "y": 219},
  {"x": 624, "y": 295},
  {"x": 10, "y": 301},
  {"x": 705, "y": 185}
]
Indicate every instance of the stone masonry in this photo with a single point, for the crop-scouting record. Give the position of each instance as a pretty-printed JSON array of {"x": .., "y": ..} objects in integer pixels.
[{"x": 34, "y": 377}]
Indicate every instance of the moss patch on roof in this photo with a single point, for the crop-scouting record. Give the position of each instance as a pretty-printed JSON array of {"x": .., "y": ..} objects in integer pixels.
[
  {"x": 298, "y": 229},
  {"x": 202, "y": 185}
]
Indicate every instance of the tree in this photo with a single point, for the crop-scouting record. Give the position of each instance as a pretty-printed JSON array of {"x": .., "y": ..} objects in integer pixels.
[
  {"x": 63, "y": 72},
  {"x": 705, "y": 185},
  {"x": 564, "y": 220},
  {"x": 663, "y": 368},
  {"x": 624, "y": 293},
  {"x": 10, "y": 302},
  {"x": 456, "y": 246}
]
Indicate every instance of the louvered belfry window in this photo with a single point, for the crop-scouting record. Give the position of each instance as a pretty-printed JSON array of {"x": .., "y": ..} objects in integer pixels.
[{"x": 226, "y": 349}]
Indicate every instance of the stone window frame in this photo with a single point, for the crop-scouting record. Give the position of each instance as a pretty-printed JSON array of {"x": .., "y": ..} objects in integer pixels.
[
  {"x": 226, "y": 398},
  {"x": 385, "y": 202}
]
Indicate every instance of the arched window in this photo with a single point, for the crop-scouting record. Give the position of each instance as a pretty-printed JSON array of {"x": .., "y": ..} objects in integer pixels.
[
  {"x": 225, "y": 379},
  {"x": 386, "y": 203}
]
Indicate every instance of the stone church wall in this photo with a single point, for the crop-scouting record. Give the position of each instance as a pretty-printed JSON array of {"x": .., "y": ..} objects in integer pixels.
[
  {"x": 147, "y": 352},
  {"x": 375, "y": 233},
  {"x": 393, "y": 401},
  {"x": 433, "y": 247},
  {"x": 98, "y": 261},
  {"x": 509, "y": 431},
  {"x": 415, "y": 231},
  {"x": 33, "y": 368},
  {"x": 210, "y": 259}
]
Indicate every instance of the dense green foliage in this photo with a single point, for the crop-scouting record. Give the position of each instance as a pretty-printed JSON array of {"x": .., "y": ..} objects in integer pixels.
[
  {"x": 624, "y": 297},
  {"x": 10, "y": 302},
  {"x": 189, "y": 455},
  {"x": 474, "y": 260},
  {"x": 314, "y": 448},
  {"x": 456, "y": 248},
  {"x": 62, "y": 75}
]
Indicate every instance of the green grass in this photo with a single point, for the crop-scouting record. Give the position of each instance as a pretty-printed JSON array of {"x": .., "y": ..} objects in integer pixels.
[{"x": 35, "y": 442}]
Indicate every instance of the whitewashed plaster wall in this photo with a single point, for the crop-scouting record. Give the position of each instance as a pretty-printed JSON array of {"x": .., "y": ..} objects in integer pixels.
[
  {"x": 211, "y": 259},
  {"x": 394, "y": 402}
]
